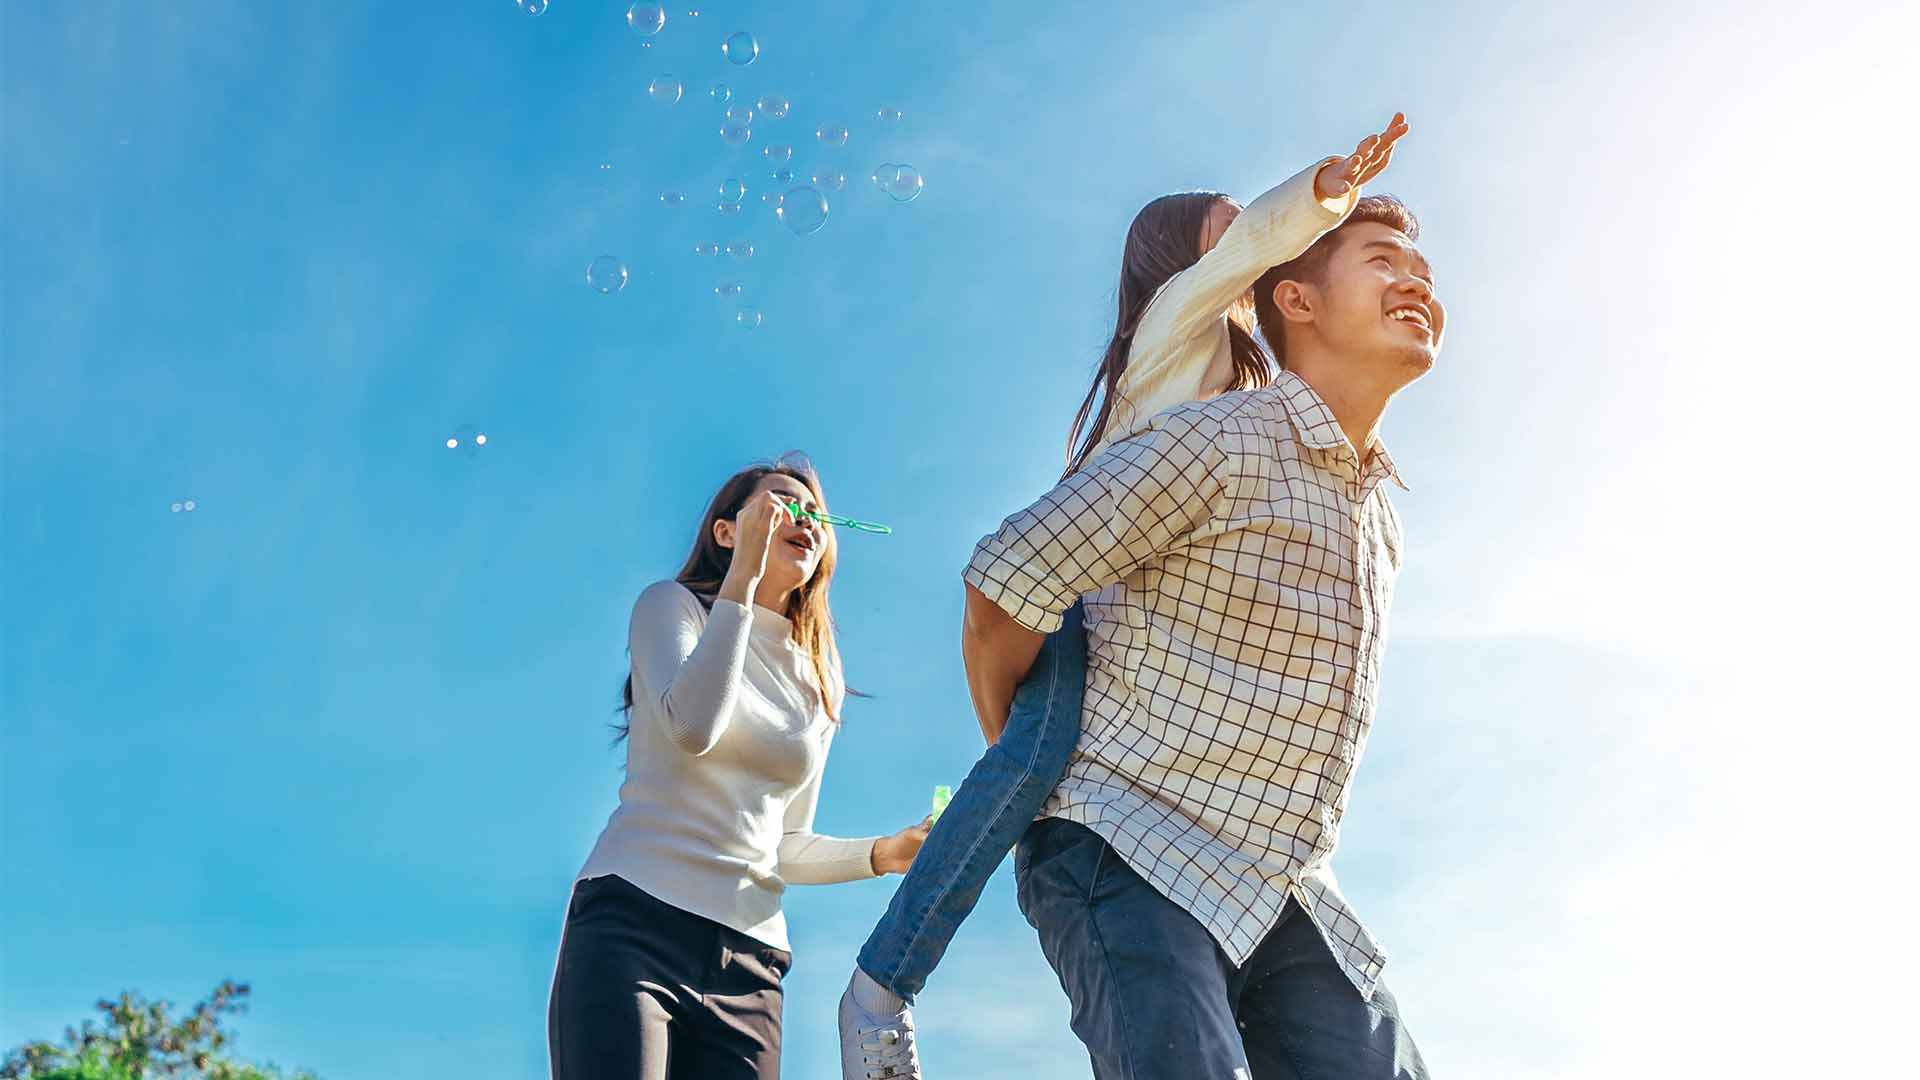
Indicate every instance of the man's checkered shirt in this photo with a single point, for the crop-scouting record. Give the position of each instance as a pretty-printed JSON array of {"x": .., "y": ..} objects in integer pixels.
[{"x": 1237, "y": 562}]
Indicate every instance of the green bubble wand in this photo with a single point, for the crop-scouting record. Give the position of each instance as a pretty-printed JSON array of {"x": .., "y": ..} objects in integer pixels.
[{"x": 835, "y": 519}]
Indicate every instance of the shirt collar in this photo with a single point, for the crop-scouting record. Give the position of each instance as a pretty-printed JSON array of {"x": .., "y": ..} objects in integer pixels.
[{"x": 1316, "y": 426}]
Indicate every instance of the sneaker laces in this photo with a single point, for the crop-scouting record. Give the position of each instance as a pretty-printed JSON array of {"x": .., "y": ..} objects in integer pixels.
[{"x": 889, "y": 1052}]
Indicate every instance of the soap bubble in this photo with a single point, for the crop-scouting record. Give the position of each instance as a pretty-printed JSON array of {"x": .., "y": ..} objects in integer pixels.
[
  {"x": 607, "y": 274},
  {"x": 804, "y": 211},
  {"x": 532, "y": 7},
  {"x": 732, "y": 190},
  {"x": 888, "y": 115},
  {"x": 720, "y": 92},
  {"x": 606, "y": 167},
  {"x": 727, "y": 288},
  {"x": 902, "y": 183},
  {"x": 466, "y": 441},
  {"x": 829, "y": 135},
  {"x": 647, "y": 18},
  {"x": 772, "y": 198},
  {"x": 706, "y": 247},
  {"x": 783, "y": 176},
  {"x": 747, "y": 318},
  {"x": 829, "y": 181},
  {"x": 740, "y": 114},
  {"x": 775, "y": 105},
  {"x": 187, "y": 506},
  {"x": 740, "y": 249},
  {"x": 664, "y": 89},
  {"x": 175, "y": 508},
  {"x": 739, "y": 48},
  {"x": 728, "y": 208},
  {"x": 735, "y": 134},
  {"x": 778, "y": 154},
  {"x": 671, "y": 198},
  {"x": 693, "y": 13}
]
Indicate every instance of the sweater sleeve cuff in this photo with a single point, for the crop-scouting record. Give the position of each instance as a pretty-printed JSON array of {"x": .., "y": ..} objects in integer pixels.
[
  {"x": 812, "y": 859},
  {"x": 1336, "y": 207}
]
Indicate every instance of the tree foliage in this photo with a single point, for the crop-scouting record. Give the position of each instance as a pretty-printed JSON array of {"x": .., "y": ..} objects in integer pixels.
[{"x": 139, "y": 1039}]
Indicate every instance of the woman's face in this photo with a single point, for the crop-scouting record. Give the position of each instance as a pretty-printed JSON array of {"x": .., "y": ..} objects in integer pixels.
[
  {"x": 1219, "y": 216},
  {"x": 795, "y": 548}
]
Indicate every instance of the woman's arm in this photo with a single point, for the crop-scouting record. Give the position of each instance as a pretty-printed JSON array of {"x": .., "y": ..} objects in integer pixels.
[
  {"x": 808, "y": 858},
  {"x": 687, "y": 664}
]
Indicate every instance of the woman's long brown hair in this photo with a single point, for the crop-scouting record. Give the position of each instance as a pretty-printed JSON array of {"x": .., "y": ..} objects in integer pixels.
[
  {"x": 706, "y": 569},
  {"x": 1163, "y": 240}
]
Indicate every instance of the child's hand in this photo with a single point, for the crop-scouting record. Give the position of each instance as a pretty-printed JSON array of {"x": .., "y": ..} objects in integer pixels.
[
  {"x": 893, "y": 854},
  {"x": 1367, "y": 161}
]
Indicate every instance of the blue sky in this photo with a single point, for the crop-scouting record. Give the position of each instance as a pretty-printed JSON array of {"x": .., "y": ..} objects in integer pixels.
[{"x": 340, "y": 731}]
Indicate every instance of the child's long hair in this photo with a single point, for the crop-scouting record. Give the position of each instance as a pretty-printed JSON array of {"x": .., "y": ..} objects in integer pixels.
[
  {"x": 706, "y": 569},
  {"x": 1163, "y": 240}
]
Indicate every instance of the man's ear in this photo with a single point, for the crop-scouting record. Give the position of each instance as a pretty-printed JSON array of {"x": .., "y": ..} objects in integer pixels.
[
  {"x": 723, "y": 532},
  {"x": 1296, "y": 301}
]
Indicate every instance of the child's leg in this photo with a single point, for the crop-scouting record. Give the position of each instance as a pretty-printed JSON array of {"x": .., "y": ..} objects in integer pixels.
[{"x": 998, "y": 800}]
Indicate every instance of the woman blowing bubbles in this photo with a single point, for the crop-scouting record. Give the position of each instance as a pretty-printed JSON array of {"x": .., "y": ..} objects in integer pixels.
[{"x": 675, "y": 945}]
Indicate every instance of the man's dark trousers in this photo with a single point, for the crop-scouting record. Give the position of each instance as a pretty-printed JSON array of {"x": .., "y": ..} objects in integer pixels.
[{"x": 1154, "y": 998}]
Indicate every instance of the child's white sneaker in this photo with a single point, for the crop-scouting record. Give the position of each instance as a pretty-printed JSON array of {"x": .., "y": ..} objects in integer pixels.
[{"x": 876, "y": 1033}]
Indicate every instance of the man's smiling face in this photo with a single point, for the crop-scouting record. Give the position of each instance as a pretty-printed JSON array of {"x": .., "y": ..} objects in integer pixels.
[{"x": 1378, "y": 304}]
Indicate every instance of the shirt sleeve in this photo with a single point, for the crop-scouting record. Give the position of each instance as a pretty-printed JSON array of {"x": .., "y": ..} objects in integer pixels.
[
  {"x": 687, "y": 664},
  {"x": 807, "y": 857},
  {"x": 1279, "y": 226},
  {"x": 1144, "y": 497}
]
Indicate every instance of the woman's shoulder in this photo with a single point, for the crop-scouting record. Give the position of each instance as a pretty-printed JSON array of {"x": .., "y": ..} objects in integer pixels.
[{"x": 670, "y": 599}]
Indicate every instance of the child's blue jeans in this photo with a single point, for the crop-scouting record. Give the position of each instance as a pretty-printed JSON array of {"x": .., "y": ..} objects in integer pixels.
[{"x": 990, "y": 812}]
